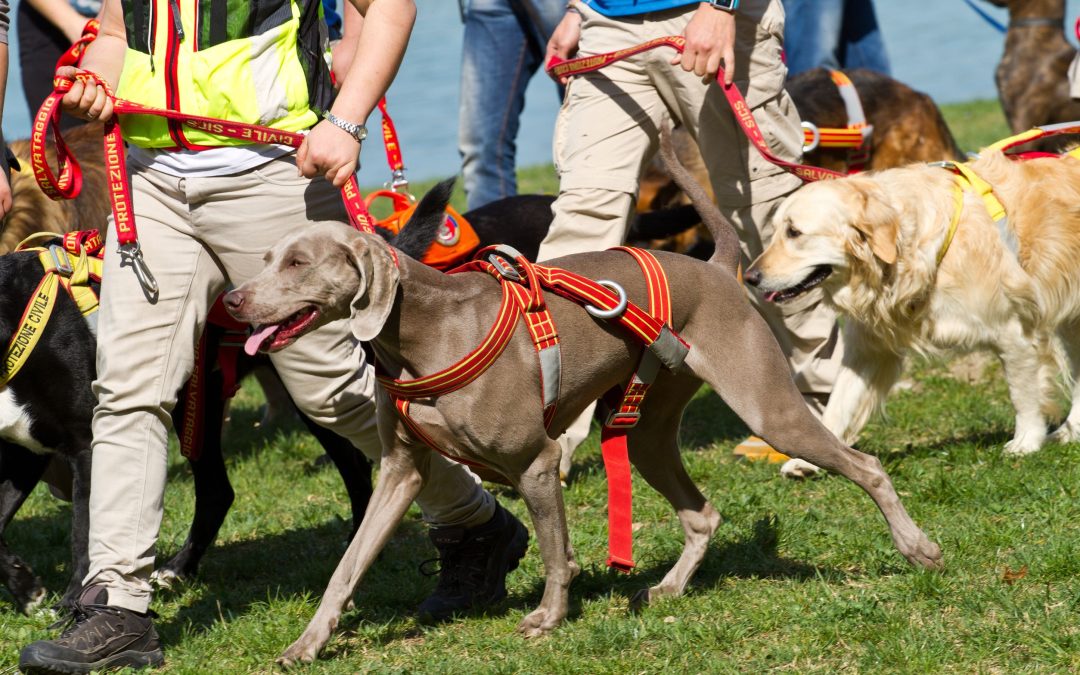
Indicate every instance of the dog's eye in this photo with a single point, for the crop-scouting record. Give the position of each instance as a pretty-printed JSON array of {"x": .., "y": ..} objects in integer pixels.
[
  {"x": 297, "y": 262},
  {"x": 792, "y": 232}
]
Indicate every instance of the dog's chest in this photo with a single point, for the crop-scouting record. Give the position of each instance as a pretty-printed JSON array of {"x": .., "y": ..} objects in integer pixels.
[{"x": 15, "y": 423}]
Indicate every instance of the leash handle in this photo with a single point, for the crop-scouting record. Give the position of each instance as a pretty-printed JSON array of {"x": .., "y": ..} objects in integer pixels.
[{"x": 558, "y": 67}]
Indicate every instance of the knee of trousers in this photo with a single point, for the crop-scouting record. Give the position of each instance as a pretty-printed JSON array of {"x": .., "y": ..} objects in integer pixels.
[{"x": 587, "y": 219}]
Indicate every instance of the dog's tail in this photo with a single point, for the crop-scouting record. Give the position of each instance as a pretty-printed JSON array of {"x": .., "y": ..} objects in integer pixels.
[
  {"x": 727, "y": 251},
  {"x": 418, "y": 234}
]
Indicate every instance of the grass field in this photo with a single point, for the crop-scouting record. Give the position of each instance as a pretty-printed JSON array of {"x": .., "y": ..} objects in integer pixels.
[{"x": 801, "y": 577}]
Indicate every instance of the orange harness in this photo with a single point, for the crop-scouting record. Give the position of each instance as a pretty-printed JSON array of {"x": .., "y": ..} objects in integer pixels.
[
  {"x": 855, "y": 137},
  {"x": 522, "y": 283}
]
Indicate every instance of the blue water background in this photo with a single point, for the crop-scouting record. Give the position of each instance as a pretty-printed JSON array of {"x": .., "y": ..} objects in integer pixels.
[{"x": 938, "y": 46}]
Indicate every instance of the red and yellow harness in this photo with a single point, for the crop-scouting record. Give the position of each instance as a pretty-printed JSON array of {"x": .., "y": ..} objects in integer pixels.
[{"x": 523, "y": 283}]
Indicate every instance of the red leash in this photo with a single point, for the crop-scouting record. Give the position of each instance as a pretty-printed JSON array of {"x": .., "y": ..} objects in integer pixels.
[
  {"x": 68, "y": 183},
  {"x": 558, "y": 67}
]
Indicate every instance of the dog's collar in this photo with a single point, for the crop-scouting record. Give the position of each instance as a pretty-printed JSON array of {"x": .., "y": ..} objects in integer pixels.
[{"x": 1031, "y": 21}]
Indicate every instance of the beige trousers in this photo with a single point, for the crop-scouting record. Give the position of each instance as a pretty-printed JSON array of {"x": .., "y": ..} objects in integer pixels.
[
  {"x": 199, "y": 234},
  {"x": 608, "y": 130}
]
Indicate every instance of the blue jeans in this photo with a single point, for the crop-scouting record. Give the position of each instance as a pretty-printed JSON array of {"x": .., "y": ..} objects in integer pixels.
[
  {"x": 834, "y": 34},
  {"x": 504, "y": 47}
]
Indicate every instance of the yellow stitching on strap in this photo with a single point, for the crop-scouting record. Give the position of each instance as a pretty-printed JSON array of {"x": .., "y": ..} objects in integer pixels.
[{"x": 26, "y": 337}]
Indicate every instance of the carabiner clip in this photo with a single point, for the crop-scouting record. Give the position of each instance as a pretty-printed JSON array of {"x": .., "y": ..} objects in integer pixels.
[{"x": 132, "y": 254}]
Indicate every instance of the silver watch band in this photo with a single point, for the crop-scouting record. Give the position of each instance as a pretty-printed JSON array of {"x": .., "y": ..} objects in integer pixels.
[{"x": 357, "y": 131}]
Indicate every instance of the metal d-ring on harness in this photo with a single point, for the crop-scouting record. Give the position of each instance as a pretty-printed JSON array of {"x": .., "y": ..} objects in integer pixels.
[{"x": 615, "y": 311}]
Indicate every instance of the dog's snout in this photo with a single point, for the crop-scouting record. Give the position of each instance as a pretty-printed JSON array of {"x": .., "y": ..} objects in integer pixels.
[
  {"x": 752, "y": 276},
  {"x": 234, "y": 300}
]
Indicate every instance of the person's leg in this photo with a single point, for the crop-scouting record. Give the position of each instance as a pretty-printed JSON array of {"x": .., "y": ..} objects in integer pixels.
[
  {"x": 606, "y": 129},
  {"x": 748, "y": 188},
  {"x": 812, "y": 36},
  {"x": 329, "y": 379},
  {"x": 861, "y": 44},
  {"x": 495, "y": 70},
  {"x": 146, "y": 349}
]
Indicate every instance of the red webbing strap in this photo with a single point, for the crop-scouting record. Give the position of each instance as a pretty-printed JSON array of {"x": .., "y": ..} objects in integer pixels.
[
  {"x": 558, "y": 67},
  {"x": 393, "y": 150},
  {"x": 469, "y": 368},
  {"x": 613, "y": 445}
]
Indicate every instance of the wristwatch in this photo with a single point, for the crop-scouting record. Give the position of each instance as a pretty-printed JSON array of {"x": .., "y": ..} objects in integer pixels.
[
  {"x": 357, "y": 131},
  {"x": 726, "y": 5}
]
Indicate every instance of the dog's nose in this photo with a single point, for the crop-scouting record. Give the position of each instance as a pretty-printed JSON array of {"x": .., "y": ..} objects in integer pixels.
[
  {"x": 234, "y": 300},
  {"x": 752, "y": 276}
]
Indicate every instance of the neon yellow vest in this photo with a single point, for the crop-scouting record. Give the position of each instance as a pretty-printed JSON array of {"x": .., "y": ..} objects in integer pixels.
[{"x": 256, "y": 62}]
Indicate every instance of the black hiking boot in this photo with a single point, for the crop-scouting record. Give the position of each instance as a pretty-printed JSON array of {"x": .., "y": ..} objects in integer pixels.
[
  {"x": 473, "y": 564},
  {"x": 100, "y": 637}
]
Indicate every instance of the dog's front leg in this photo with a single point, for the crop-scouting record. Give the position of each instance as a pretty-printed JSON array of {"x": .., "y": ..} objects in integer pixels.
[
  {"x": 400, "y": 480},
  {"x": 866, "y": 376},
  {"x": 540, "y": 487},
  {"x": 80, "y": 526}
]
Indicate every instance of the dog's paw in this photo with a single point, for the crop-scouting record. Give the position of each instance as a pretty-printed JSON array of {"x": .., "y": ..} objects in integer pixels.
[
  {"x": 166, "y": 579},
  {"x": 539, "y": 623},
  {"x": 297, "y": 653},
  {"x": 33, "y": 601},
  {"x": 1024, "y": 444},
  {"x": 1066, "y": 433},
  {"x": 925, "y": 554},
  {"x": 798, "y": 468}
]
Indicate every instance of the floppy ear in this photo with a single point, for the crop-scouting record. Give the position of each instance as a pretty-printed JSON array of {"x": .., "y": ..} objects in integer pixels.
[
  {"x": 377, "y": 289},
  {"x": 880, "y": 223}
]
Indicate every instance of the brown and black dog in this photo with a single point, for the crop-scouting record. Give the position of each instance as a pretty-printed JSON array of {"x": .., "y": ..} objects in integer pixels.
[
  {"x": 1032, "y": 76},
  {"x": 908, "y": 128}
]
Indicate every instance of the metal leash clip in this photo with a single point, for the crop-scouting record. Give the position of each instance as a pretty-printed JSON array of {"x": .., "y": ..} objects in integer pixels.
[
  {"x": 132, "y": 254},
  {"x": 399, "y": 183}
]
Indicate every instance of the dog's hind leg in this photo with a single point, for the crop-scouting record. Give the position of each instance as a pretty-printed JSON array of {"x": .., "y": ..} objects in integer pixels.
[
  {"x": 1069, "y": 431},
  {"x": 401, "y": 475},
  {"x": 757, "y": 385},
  {"x": 654, "y": 449},
  {"x": 20, "y": 471},
  {"x": 541, "y": 489}
]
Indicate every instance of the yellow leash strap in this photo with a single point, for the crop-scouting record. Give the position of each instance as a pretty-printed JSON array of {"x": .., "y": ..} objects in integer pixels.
[
  {"x": 31, "y": 326},
  {"x": 966, "y": 178}
]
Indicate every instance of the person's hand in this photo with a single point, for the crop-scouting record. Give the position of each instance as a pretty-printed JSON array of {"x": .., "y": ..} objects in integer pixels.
[
  {"x": 328, "y": 151},
  {"x": 564, "y": 40},
  {"x": 710, "y": 40},
  {"x": 85, "y": 100}
]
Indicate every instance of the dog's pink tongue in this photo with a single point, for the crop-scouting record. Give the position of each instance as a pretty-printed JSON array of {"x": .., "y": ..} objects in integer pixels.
[
  {"x": 251, "y": 347},
  {"x": 771, "y": 295}
]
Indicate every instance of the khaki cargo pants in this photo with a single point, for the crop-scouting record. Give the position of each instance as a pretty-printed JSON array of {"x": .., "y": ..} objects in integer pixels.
[
  {"x": 199, "y": 234},
  {"x": 608, "y": 130}
]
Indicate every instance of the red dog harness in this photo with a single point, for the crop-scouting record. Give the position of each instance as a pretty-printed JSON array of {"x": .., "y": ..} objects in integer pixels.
[{"x": 522, "y": 283}]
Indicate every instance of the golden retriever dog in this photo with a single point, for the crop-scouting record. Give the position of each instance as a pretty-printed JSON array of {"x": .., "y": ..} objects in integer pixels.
[{"x": 877, "y": 244}]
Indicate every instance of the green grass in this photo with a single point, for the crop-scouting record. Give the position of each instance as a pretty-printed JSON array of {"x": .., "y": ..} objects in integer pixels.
[{"x": 801, "y": 577}]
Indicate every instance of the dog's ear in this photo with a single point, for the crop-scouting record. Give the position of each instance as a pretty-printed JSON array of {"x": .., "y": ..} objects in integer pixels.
[
  {"x": 378, "y": 286},
  {"x": 879, "y": 222}
]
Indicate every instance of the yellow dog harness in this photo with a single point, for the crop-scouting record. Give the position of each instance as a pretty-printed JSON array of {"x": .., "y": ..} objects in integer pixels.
[{"x": 69, "y": 267}]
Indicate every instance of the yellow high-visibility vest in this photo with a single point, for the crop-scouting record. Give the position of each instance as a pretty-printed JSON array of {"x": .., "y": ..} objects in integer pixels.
[{"x": 261, "y": 62}]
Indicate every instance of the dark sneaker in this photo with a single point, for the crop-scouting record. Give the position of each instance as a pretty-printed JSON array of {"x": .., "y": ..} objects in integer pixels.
[
  {"x": 473, "y": 564},
  {"x": 100, "y": 637}
]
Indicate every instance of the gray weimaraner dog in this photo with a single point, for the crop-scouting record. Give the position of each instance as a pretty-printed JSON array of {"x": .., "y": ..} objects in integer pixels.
[{"x": 418, "y": 320}]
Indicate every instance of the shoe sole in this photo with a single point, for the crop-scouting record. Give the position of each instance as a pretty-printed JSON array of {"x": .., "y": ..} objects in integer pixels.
[{"x": 44, "y": 665}]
